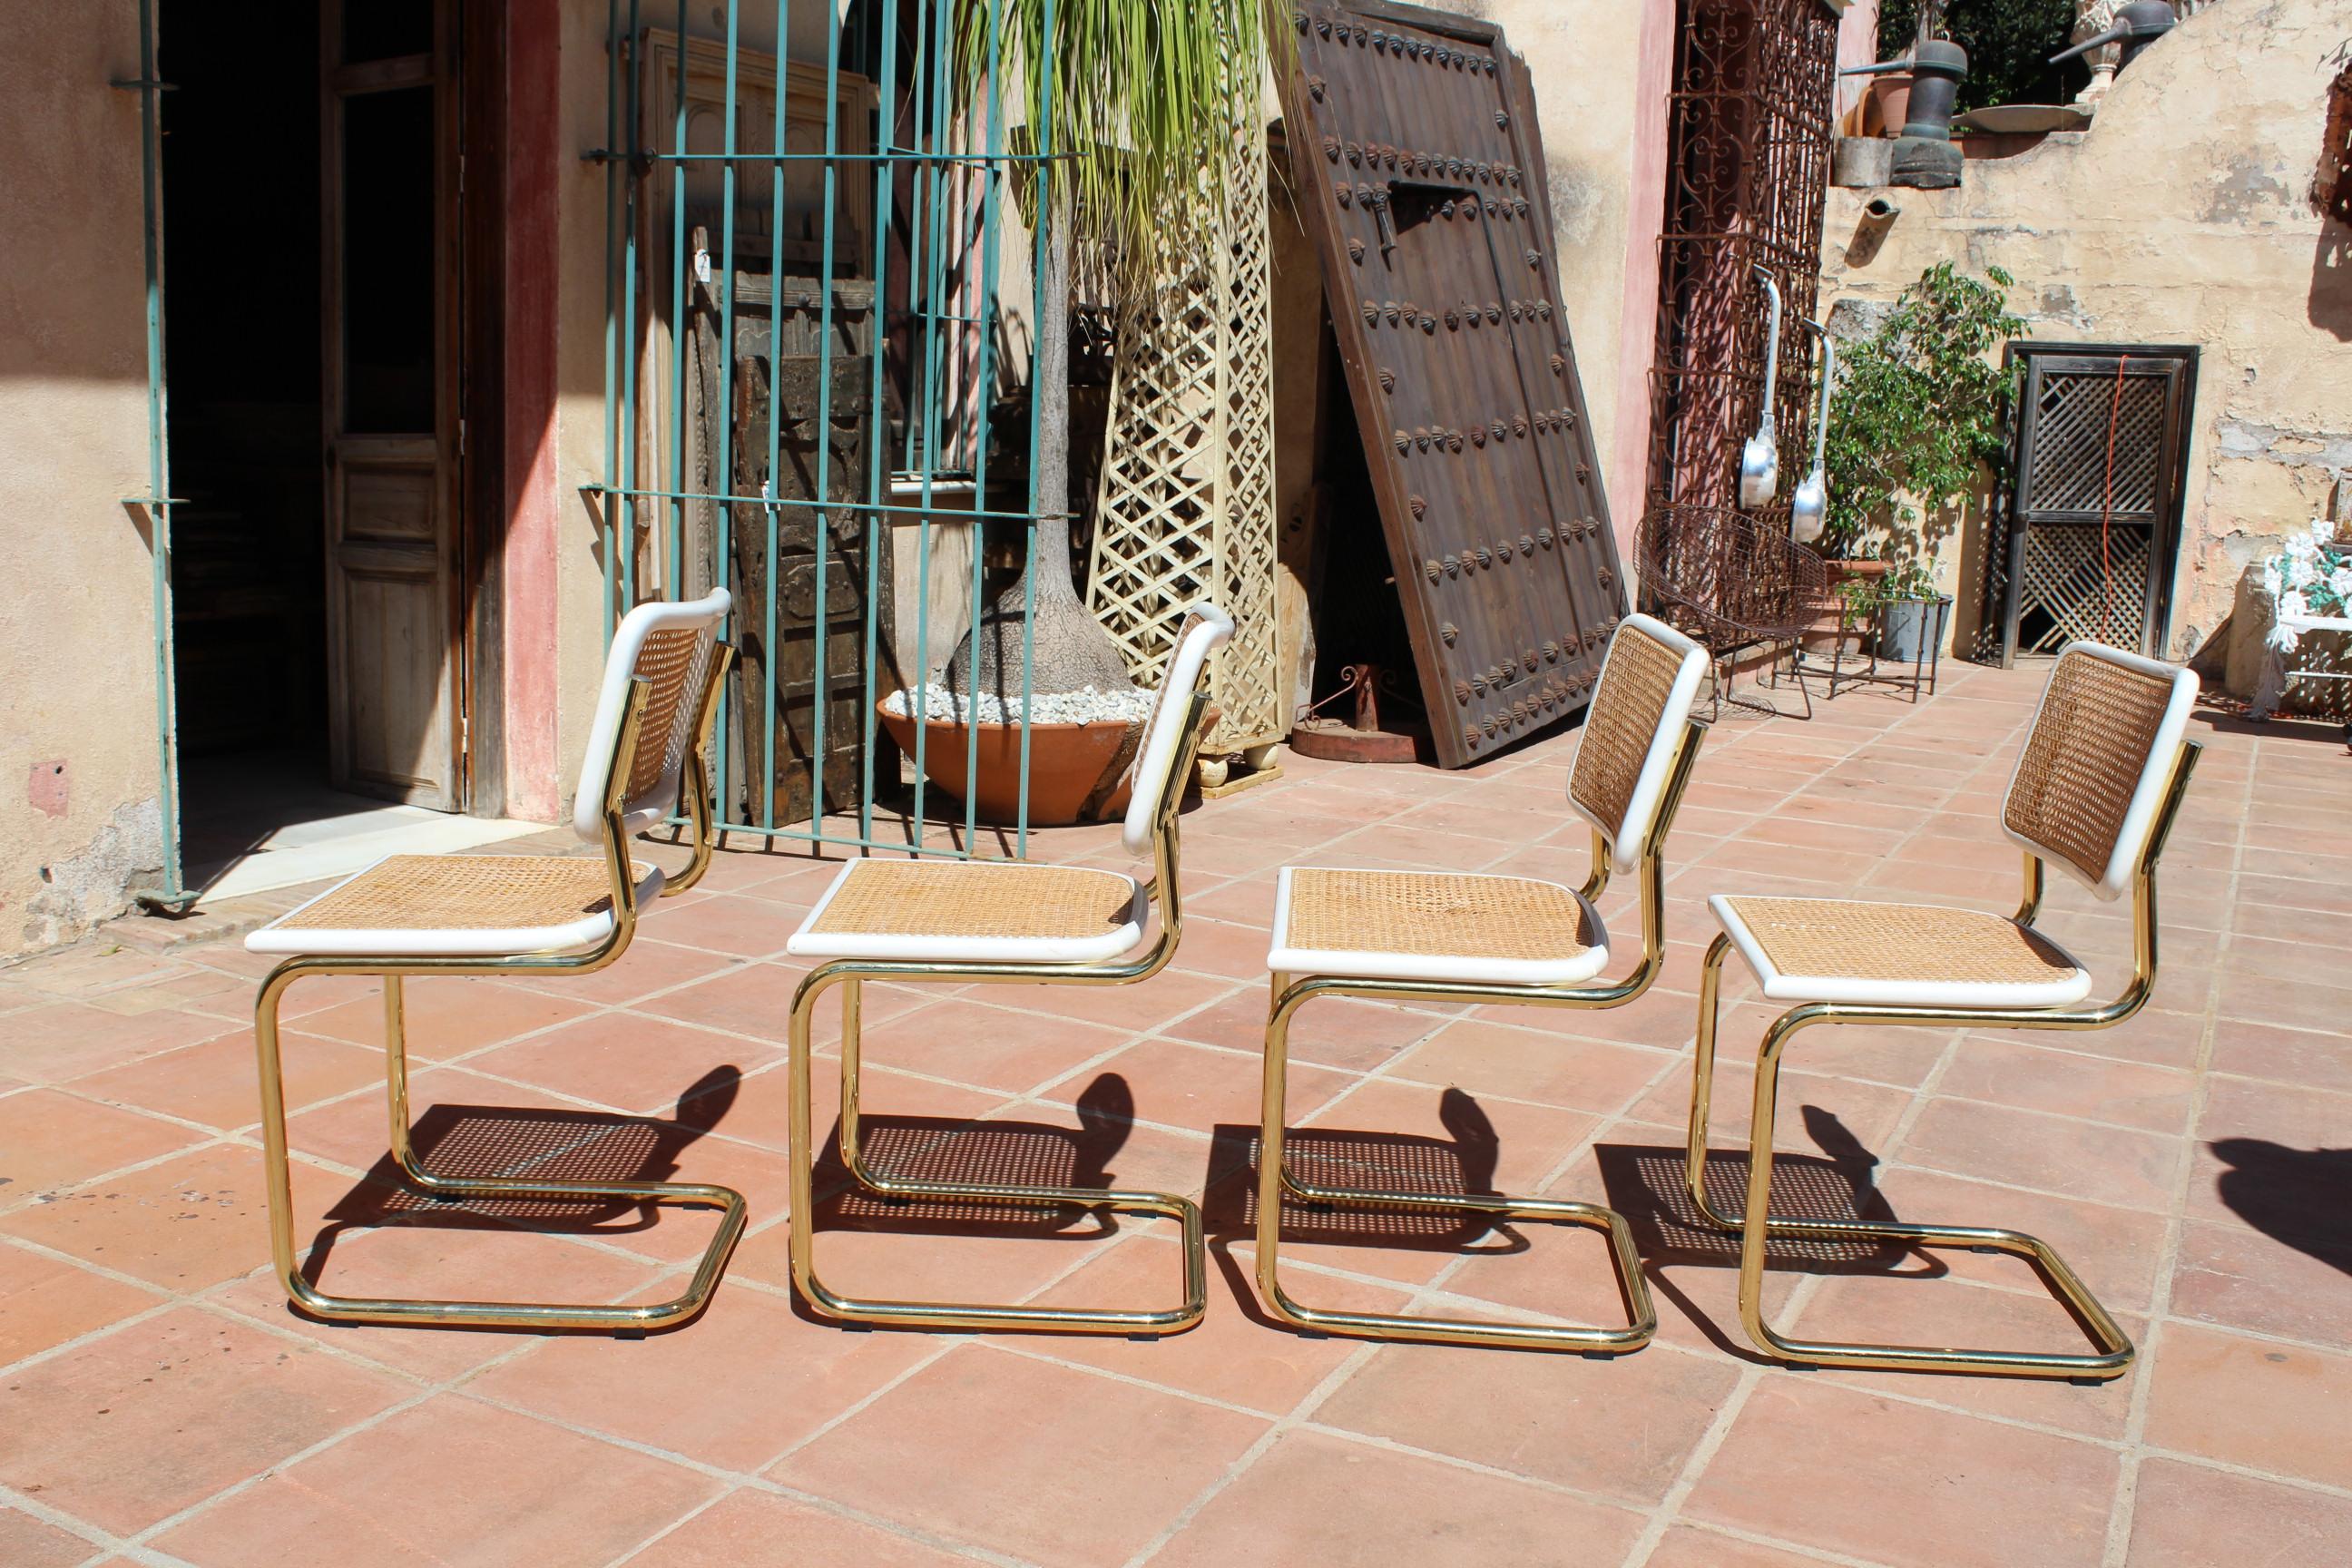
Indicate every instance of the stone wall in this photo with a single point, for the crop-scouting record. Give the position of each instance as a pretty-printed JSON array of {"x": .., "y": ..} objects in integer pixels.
[{"x": 2182, "y": 215}]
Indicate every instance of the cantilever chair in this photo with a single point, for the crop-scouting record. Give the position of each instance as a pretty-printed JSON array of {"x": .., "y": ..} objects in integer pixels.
[
  {"x": 521, "y": 914},
  {"x": 2095, "y": 789},
  {"x": 1004, "y": 921},
  {"x": 1432, "y": 936}
]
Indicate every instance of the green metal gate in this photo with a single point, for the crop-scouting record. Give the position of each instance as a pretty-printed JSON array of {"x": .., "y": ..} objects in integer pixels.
[{"x": 922, "y": 167}]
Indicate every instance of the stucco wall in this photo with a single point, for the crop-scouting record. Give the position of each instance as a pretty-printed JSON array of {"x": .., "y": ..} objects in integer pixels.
[
  {"x": 79, "y": 817},
  {"x": 2180, "y": 217}
]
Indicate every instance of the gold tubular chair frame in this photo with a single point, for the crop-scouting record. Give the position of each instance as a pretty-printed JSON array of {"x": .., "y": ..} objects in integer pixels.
[
  {"x": 850, "y": 974},
  {"x": 1756, "y": 1227},
  {"x": 1275, "y": 1178},
  {"x": 392, "y": 972}
]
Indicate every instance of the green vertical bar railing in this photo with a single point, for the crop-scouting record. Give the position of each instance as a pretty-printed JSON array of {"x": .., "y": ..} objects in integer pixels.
[
  {"x": 158, "y": 501},
  {"x": 956, "y": 211}
]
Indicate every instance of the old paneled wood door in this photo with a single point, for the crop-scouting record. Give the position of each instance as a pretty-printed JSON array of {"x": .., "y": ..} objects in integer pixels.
[
  {"x": 390, "y": 172},
  {"x": 1422, "y": 178}
]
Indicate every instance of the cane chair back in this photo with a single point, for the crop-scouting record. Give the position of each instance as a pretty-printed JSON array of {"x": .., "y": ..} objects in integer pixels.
[
  {"x": 672, "y": 649},
  {"x": 1648, "y": 684},
  {"x": 2096, "y": 763},
  {"x": 1161, "y": 756}
]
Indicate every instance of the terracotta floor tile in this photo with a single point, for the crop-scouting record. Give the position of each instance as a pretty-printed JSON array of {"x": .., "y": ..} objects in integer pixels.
[
  {"x": 2112, "y": 1250},
  {"x": 1229, "y": 952},
  {"x": 1906, "y": 1306},
  {"x": 649, "y": 966},
  {"x": 1108, "y": 1468},
  {"x": 1319, "y": 1501},
  {"x": 1816, "y": 1114},
  {"x": 50, "y": 1141},
  {"x": 2156, "y": 1036},
  {"x": 441, "y": 1261},
  {"x": 2308, "y": 1057},
  {"x": 30, "y": 1543},
  {"x": 1621, "y": 1428},
  {"x": 46, "y": 1302},
  {"x": 1357, "y": 1036},
  {"x": 1180, "y": 1084},
  {"x": 2186, "y": 1516},
  {"x": 624, "y": 1060},
  {"x": 2030, "y": 1077},
  {"x": 752, "y": 1528},
  {"x": 1493, "y": 1059},
  {"x": 1898, "y": 1483},
  {"x": 132, "y": 1428},
  {"x": 2051, "y": 1154},
  {"x": 560, "y": 1497},
  {"x": 218, "y": 1082},
  {"x": 972, "y": 1042},
  {"x": 1153, "y": 1004},
  {"x": 725, "y": 923},
  {"x": 447, "y": 1016},
  {"x": 2254, "y": 1403},
  {"x": 756, "y": 999},
  {"x": 60, "y": 1040},
  {"x": 734, "y": 1389},
  {"x": 2239, "y": 1277},
  {"x": 1690, "y": 1546},
  {"x": 188, "y": 1223},
  {"x": 1236, "y": 1354}
]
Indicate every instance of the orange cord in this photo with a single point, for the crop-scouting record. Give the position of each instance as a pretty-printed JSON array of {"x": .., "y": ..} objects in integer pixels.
[{"x": 2107, "y": 515}]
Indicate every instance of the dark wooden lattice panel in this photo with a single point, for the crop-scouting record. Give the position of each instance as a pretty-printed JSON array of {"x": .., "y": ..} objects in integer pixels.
[
  {"x": 2067, "y": 467},
  {"x": 2072, "y": 586},
  {"x": 1421, "y": 177},
  {"x": 2089, "y": 511}
]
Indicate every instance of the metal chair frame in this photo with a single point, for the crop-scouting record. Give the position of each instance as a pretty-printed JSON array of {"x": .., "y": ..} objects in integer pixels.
[
  {"x": 695, "y": 789},
  {"x": 1756, "y": 1227},
  {"x": 850, "y": 975},
  {"x": 1276, "y": 1179}
]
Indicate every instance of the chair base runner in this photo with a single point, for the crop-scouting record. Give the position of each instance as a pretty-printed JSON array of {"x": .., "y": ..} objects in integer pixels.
[
  {"x": 971, "y": 1315},
  {"x": 1755, "y": 1228},
  {"x": 1275, "y": 1181},
  {"x": 424, "y": 1181}
]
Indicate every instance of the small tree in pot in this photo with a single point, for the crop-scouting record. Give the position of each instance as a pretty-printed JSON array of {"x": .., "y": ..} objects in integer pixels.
[{"x": 1915, "y": 421}]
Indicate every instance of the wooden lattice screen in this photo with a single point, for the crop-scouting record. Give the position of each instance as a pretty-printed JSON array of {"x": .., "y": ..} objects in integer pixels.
[
  {"x": 2091, "y": 508},
  {"x": 1185, "y": 507}
]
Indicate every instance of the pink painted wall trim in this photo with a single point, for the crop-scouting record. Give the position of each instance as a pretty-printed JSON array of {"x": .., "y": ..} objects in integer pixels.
[
  {"x": 535, "y": 781},
  {"x": 1645, "y": 218}
]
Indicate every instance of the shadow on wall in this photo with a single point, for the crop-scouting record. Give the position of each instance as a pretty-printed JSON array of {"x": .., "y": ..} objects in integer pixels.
[{"x": 2330, "y": 306}]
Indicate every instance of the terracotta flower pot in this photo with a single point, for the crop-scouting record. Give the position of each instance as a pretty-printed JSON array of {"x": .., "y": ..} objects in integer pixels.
[
  {"x": 1888, "y": 105},
  {"x": 1067, "y": 763}
]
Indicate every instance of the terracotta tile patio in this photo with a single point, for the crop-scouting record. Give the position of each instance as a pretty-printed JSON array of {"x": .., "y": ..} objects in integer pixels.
[{"x": 159, "y": 1404}]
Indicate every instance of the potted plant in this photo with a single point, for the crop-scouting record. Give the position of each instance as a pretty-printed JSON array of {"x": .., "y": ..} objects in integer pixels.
[
  {"x": 1916, "y": 423},
  {"x": 1145, "y": 102}
]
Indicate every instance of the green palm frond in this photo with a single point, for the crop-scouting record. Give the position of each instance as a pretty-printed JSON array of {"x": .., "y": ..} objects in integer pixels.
[{"x": 1146, "y": 100}]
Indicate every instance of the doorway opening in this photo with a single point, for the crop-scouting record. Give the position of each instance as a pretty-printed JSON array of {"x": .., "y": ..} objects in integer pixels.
[{"x": 313, "y": 307}]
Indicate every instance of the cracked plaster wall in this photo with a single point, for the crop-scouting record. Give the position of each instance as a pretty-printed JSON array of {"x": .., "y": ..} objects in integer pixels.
[{"x": 2180, "y": 217}]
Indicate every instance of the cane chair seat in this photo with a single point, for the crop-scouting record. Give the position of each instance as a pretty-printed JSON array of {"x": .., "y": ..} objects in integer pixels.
[
  {"x": 449, "y": 906},
  {"x": 1435, "y": 926},
  {"x": 1894, "y": 955},
  {"x": 984, "y": 911}
]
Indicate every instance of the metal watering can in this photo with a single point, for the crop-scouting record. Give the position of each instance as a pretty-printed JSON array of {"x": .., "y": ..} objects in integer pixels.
[
  {"x": 1808, "y": 508},
  {"x": 1760, "y": 459}
]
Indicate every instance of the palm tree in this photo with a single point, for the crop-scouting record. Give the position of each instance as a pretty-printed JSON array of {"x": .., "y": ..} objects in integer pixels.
[{"x": 1150, "y": 101}]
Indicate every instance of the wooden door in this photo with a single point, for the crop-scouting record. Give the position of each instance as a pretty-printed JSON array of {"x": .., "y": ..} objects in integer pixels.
[
  {"x": 2099, "y": 460},
  {"x": 1421, "y": 179},
  {"x": 390, "y": 172}
]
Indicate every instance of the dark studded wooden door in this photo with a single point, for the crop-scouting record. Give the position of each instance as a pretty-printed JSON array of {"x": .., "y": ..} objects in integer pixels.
[{"x": 1421, "y": 176}]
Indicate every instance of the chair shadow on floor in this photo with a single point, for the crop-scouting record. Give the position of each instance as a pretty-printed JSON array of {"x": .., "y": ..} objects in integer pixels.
[
  {"x": 1463, "y": 1163},
  {"x": 1645, "y": 1183},
  {"x": 992, "y": 1153},
  {"x": 2299, "y": 1197},
  {"x": 529, "y": 1144}
]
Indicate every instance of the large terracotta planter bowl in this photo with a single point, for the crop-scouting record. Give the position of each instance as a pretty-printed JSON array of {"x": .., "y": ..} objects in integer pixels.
[{"x": 1066, "y": 762}]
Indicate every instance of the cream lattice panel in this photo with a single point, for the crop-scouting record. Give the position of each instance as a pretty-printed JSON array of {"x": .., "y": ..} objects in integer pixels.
[{"x": 1185, "y": 507}]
